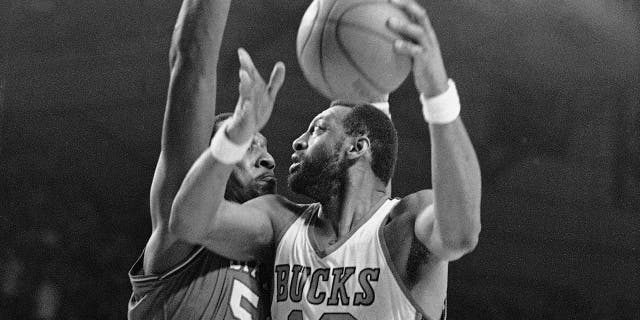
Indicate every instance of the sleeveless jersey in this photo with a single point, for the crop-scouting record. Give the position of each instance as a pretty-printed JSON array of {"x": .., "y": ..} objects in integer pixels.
[
  {"x": 355, "y": 281},
  {"x": 204, "y": 286}
]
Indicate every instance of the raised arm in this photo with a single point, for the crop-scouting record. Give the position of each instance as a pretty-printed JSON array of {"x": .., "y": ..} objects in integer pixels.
[
  {"x": 450, "y": 227},
  {"x": 200, "y": 214},
  {"x": 188, "y": 119}
]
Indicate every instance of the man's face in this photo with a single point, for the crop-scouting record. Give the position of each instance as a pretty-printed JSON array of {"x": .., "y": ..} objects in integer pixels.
[
  {"x": 255, "y": 171},
  {"x": 319, "y": 166}
]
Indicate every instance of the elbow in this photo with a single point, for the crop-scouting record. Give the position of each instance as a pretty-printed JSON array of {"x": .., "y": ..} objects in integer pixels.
[
  {"x": 460, "y": 245},
  {"x": 467, "y": 240},
  {"x": 465, "y": 237},
  {"x": 454, "y": 249},
  {"x": 467, "y": 243},
  {"x": 457, "y": 245}
]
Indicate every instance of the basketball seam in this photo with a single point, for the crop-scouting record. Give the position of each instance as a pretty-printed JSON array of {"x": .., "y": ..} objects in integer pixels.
[
  {"x": 354, "y": 64},
  {"x": 322, "y": 71},
  {"x": 306, "y": 41},
  {"x": 348, "y": 55},
  {"x": 364, "y": 28}
]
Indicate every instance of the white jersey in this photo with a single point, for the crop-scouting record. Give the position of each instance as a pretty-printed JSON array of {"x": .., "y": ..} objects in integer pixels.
[{"x": 355, "y": 281}]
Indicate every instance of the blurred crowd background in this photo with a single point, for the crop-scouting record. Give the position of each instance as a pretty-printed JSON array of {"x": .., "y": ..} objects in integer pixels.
[{"x": 551, "y": 100}]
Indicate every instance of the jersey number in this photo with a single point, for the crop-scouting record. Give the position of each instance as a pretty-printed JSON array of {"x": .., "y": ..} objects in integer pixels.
[
  {"x": 239, "y": 291},
  {"x": 297, "y": 315}
]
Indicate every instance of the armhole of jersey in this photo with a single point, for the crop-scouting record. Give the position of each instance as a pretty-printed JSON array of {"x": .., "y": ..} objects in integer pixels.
[
  {"x": 136, "y": 275},
  {"x": 396, "y": 274}
]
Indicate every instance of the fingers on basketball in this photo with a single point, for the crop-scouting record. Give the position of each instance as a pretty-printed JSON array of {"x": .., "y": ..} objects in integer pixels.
[
  {"x": 410, "y": 31},
  {"x": 416, "y": 12},
  {"x": 420, "y": 30},
  {"x": 407, "y": 48}
]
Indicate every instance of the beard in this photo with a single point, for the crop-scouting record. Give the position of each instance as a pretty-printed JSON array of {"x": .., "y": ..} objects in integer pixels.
[
  {"x": 237, "y": 192},
  {"x": 321, "y": 177}
]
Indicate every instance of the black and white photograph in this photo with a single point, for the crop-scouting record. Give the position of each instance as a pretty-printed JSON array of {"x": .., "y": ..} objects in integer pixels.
[{"x": 319, "y": 159}]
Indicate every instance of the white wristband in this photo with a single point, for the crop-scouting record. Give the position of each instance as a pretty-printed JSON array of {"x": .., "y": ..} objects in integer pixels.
[
  {"x": 382, "y": 106},
  {"x": 225, "y": 150},
  {"x": 443, "y": 108}
]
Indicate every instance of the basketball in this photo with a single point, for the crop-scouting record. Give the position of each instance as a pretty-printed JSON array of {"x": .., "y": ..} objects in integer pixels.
[{"x": 345, "y": 49}]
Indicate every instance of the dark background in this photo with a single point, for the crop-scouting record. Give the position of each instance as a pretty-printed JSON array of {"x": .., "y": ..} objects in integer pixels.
[{"x": 551, "y": 100}]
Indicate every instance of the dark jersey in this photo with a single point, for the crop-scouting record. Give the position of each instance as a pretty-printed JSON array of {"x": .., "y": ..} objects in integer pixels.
[{"x": 204, "y": 286}]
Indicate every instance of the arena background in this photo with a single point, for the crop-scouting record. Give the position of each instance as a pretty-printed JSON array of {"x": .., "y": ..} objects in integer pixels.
[{"x": 551, "y": 100}]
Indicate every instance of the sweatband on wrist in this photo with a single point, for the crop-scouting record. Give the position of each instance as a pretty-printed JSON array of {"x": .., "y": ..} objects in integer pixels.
[
  {"x": 225, "y": 150},
  {"x": 443, "y": 108},
  {"x": 382, "y": 106}
]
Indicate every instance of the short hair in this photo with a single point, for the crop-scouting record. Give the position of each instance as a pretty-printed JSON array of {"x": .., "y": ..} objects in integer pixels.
[
  {"x": 365, "y": 119},
  {"x": 218, "y": 120}
]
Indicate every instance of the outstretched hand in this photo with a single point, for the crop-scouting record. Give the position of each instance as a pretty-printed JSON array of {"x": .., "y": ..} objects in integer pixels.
[
  {"x": 256, "y": 100},
  {"x": 422, "y": 46}
]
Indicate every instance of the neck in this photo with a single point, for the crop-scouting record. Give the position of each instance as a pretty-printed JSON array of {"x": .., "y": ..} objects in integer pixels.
[{"x": 354, "y": 204}]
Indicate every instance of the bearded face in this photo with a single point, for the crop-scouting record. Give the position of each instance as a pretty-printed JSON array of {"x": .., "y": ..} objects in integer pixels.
[{"x": 320, "y": 175}]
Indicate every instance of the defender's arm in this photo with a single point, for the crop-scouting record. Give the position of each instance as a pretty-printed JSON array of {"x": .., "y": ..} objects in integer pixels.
[{"x": 188, "y": 118}]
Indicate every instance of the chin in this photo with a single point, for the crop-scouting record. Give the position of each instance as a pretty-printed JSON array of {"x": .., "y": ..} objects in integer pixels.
[
  {"x": 266, "y": 186},
  {"x": 306, "y": 186},
  {"x": 295, "y": 184}
]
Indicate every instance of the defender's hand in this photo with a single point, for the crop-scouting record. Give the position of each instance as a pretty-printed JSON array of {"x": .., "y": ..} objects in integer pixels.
[
  {"x": 422, "y": 45},
  {"x": 256, "y": 100}
]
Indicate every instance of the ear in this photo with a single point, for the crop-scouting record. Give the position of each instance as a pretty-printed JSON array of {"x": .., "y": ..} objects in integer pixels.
[{"x": 359, "y": 146}]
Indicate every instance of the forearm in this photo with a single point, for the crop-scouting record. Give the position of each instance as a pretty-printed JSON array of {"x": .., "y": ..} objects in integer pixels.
[
  {"x": 197, "y": 35},
  {"x": 456, "y": 185},
  {"x": 194, "y": 54},
  {"x": 200, "y": 196}
]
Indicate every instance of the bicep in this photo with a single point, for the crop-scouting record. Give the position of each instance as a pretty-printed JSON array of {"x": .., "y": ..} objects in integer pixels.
[
  {"x": 164, "y": 186},
  {"x": 430, "y": 234},
  {"x": 406, "y": 251},
  {"x": 417, "y": 216}
]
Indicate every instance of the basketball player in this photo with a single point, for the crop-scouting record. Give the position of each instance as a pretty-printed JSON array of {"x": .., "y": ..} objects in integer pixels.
[
  {"x": 175, "y": 279},
  {"x": 355, "y": 253}
]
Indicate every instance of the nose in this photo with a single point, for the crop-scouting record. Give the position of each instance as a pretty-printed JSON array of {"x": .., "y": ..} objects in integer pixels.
[
  {"x": 300, "y": 143},
  {"x": 266, "y": 161}
]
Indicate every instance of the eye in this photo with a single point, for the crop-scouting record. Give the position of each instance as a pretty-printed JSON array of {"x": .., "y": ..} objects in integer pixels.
[{"x": 316, "y": 127}]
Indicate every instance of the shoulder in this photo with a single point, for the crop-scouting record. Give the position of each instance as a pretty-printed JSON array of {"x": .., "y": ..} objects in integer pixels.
[
  {"x": 277, "y": 204},
  {"x": 414, "y": 203},
  {"x": 281, "y": 211},
  {"x": 420, "y": 199},
  {"x": 399, "y": 228}
]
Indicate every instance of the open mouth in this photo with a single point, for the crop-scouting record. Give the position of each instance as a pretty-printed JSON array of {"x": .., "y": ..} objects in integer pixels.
[
  {"x": 294, "y": 167},
  {"x": 295, "y": 159}
]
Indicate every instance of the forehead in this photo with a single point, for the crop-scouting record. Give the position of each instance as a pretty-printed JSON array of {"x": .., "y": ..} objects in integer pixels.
[{"x": 335, "y": 113}]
